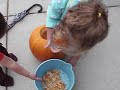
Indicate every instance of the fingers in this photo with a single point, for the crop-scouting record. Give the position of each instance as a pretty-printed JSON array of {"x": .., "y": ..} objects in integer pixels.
[
  {"x": 34, "y": 77},
  {"x": 37, "y": 78},
  {"x": 48, "y": 44},
  {"x": 55, "y": 49}
]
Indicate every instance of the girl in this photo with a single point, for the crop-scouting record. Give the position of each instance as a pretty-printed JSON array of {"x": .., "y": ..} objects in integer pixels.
[
  {"x": 9, "y": 61},
  {"x": 74, "y": 26}
]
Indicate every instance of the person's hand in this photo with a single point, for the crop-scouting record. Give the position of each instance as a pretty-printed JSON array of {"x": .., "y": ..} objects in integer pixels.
[
  {"x": 49, "y": 36},
  {"x": 34, "y": 77}
]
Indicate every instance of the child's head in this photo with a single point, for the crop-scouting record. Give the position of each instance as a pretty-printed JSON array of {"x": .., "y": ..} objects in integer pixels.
[
  {"x": 3, "y": 26},
  {"x": 82, "y": 28}
]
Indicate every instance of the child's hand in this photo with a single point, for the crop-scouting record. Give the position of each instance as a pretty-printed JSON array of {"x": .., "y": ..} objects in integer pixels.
[
  {"x": 49, "y": 36},
  {"x": 34, "y": 77}
]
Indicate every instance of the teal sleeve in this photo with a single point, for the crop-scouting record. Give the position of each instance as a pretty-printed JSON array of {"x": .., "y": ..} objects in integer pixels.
[{"x": 54, "y": 12}]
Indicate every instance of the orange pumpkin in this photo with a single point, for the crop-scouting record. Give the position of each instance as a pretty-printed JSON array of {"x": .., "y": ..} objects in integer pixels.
[{"x": 37, "y": 42}]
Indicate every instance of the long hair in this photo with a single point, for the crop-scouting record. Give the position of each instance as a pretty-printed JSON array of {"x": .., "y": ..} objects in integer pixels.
[{"x": 83, "y": 26}]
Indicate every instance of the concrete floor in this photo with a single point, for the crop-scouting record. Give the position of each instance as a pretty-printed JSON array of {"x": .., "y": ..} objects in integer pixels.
[{"x": 98, "y": 70}]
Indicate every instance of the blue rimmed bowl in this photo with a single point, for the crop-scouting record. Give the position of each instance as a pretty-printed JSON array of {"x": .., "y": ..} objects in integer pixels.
[{"x": 66, "y": 72}]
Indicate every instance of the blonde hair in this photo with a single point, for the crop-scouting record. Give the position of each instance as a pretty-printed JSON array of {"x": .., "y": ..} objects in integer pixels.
[{"x": 82, "y": 27}]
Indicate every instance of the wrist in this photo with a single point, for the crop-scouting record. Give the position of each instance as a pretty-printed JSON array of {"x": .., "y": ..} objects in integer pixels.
[
  {"x": 32, "y": 76},
  {"x": 27, "y": 74}
]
